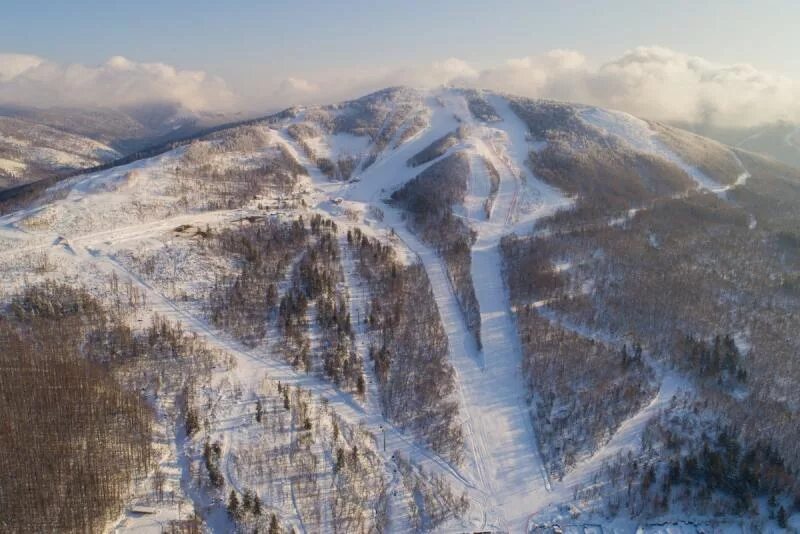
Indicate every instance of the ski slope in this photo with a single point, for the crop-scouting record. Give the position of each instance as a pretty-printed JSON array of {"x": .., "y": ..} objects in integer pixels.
[
  {"x": 503, "y": 466},
  {"x": 503, "y": 473}
]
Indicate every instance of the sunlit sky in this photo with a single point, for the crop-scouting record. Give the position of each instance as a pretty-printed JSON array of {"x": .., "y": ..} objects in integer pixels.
[
  {"x": 254, "y": 46},
  {"x": 234, "y": 37}
]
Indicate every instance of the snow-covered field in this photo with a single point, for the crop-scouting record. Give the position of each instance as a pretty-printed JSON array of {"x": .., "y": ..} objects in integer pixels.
[{"x": 107, "y": 222}]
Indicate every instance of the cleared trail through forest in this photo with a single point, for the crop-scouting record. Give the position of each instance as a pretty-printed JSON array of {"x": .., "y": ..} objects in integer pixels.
[
  {"x": 253, "y": 364},
  {"x": 502, "y": 452},
  {"x": 375, "y": 181},
  {"x": 494, "y": 387}
]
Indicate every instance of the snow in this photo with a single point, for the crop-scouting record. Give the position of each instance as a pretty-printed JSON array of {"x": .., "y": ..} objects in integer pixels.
[
  {"x": 339, "y": 145},
  {"x": 637, "y": 134},
  {"x": 503, "y": 471},
  {"x": 14, "y": 141},
  {"x": 526, "y": 199},
  {"x": 105, "y": 219},
  {"x": 12, "y": 167},
  {"x": 39, "y": 147},
  {"x": 59, "y": 158}
]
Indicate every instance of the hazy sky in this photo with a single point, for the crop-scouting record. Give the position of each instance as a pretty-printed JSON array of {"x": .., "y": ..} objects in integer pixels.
[{"x": 269, "y": 53}]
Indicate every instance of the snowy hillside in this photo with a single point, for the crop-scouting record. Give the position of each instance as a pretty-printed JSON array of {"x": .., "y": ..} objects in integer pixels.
[
  {"x": 29, "y": 151},
  {"x": 446, "y": 310},
  {"x": 37, "y": 143}
]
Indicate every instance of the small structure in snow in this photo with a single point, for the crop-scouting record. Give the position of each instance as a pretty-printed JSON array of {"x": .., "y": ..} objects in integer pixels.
[{"x": 137, "y": 509}]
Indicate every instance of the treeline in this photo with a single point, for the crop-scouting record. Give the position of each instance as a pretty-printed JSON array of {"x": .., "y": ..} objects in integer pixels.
[
  {"x": 88, "y": 367},
  {"x": 437, "y": 148},
  {"x": 709, "y": 157},
  {"x": 408, "y": 347},
  {"x": 429, "y": 199},
  {"x": 392, "y": 115},
  {"x": 601, "y": 172},
  {"x": 480, "y": 108},
  {"x": 725, "y": 275},
  {"x": 494, "y": 186},
  {"x": 718, "y": 361},
  {"x": 706, "y": 280},
  {"x": 431, "y": 500},
  {"x": 300, "y": 458},
  {"x": 341, "y": 169}
]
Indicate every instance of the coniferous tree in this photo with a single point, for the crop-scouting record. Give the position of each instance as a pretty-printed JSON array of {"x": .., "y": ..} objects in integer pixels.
[
  {"x": 783, "y": 520},
  {"x": 192, "y": 422},
  {"x": 247, "y": 501},
  {"x": 233, "y": 505},
  {"x": 274, "y": 527},
  {"x": 339, "y": 460}
]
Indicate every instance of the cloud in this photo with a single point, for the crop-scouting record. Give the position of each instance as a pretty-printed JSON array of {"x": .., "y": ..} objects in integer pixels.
[
  {"x": 12, "y": 65},
  {"x": 119, "y": 82},
  {"x": 654, "y": 82},
  {"x": 336, "y": 86},
  {"x": 664, "y": 84},
  {"x": 292, "y": 90},
  {"x": 650, "y": 82}
]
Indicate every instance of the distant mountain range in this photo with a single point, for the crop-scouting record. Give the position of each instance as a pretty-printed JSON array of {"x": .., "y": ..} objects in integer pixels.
[
  {"x": 37, "y": 143},
  {"x": 780, "y": 140}
]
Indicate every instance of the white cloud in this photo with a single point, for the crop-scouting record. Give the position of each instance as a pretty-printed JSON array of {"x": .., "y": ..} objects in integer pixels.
[
  {"x": 12, "y": 65},
  {"x": 31, "y": 80},
  {"x": 293, "y": 90},
  {"x": 663, "y": 84},
  {"x": 656, "y": 83},
  {"x": 651, "y": 82},
  {"x": 453, "y": 68}
]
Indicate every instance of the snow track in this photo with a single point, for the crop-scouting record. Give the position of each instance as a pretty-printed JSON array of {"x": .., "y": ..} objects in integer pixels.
[{"x": 495, "y": 390}]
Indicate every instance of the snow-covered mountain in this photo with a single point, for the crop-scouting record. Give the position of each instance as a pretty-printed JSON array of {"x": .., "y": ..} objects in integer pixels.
[
  {"x": 444, "y": 310},
  {"x": 37, "y": 143},
  {"x": 29, "y": 151}
]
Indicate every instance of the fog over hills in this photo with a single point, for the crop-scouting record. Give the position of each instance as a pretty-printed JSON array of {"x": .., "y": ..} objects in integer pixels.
[
  {"x": 38, "y": 143},
  {"x": 780, "y": 140}
]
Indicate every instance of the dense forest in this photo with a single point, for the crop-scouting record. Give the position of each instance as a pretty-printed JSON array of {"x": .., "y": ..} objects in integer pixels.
[
  {"x": 705, "y": 283},
  {"x": 408, "y": 347}
]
